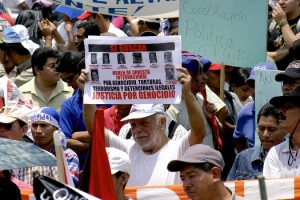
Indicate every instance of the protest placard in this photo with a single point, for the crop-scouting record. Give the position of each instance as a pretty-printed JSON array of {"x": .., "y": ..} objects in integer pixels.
[
  {"x": 266, "y": 87},
  {"x": 132, "y": 70},
  {"x": 231, "y": 32},
  {"x": 137, "y": 8}
]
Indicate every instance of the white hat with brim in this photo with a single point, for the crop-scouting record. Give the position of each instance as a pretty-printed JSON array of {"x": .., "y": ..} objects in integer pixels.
[
  {"x": 6, "y": 119},
  {"x": 19, "y": 34},
  {"x": 139, "y": 111},
  {"x": 12, "y": 113}
]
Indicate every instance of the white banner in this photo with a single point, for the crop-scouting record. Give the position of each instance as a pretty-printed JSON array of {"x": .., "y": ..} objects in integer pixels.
[
  {"x": 132, "y": 70},
  {"x": 137, "y": 8}
]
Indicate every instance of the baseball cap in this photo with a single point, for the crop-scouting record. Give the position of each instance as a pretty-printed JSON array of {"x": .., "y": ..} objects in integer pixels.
[
  {"x": 85, "y": 15},
  {"x": 72, "y": 13},
  {"x": 262, "y": 65},
  {"x": 139, "y": 111},
  {"x": 292, "y": 71},
  {"x": 215, "y": 67},
  {"x": 198, "y": 153},
  {"x": 118, "y": 160},
  {"x": 294, "y": 98},
  {"x": 45, "y": 114},
  {"x": 18, "y": 34},
  {"x": 191, "y": 62},
  {"x": 9, "y": 114}
]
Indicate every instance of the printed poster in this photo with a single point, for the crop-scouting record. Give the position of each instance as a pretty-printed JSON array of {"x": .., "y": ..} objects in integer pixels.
[{"x": 132, "y": 70}]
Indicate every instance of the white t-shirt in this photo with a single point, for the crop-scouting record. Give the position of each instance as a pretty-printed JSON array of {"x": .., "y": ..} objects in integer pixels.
[
  {"x": 151, "y": 169},
  {"x": 62, "y": 31},
  {"x": 276, "y": 163},
  {"x": 116, "y": 31}
]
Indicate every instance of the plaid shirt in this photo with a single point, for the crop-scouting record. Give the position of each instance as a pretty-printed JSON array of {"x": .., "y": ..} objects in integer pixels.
[
  {"x": 72, "y": 161},
  {"x": 26, "y": 174}
]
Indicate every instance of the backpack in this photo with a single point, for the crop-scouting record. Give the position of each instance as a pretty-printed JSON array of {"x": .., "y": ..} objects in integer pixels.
[{"x": 172, "y": 127}]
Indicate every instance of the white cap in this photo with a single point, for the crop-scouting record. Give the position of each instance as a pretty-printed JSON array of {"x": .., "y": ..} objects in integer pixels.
[
  {"x": 19, "y": 34},
  {"x": 139, "y": 111},
  {"x": 118, "y": 160}
]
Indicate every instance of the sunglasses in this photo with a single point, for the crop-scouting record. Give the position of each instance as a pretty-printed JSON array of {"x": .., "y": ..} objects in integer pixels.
[
  {"x": 7, "y": 127},
  {"x": 68, "y": 79}
]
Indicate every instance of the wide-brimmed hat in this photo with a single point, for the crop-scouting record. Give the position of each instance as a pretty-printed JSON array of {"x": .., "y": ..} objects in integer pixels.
[
  {"x": 292, "y": 71},
  {"x": 294, "y": 98}
]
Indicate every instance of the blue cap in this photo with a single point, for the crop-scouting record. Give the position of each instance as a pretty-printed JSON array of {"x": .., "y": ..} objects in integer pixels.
[
  {"x": 70, "y": 12},
  {"x": 191, "y": 62},
  {"x": 262, "y": 65}
]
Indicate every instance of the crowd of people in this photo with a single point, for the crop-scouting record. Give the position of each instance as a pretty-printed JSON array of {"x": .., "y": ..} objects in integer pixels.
[{"x": 200, "y": 142}]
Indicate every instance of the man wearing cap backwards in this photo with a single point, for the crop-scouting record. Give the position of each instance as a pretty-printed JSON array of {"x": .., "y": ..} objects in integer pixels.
[
  {"x": 200, "y": 170},
  {"x": 43, "y": 124},
  {"x": 17, "y": 48},
  {"x": 151, "y": 149},
  {"x": 283, "y": 160},
  {"x": 120, "y": 167},
  {"x": 13, "y": 125},
  {"x": 290, "y": 78}
]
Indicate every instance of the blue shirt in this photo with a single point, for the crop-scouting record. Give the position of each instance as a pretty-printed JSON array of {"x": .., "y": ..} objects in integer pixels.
[
  {"x": 245, "y": 125},
  {"x": 71, "y": 117},
  {"x": 248, "y": 164}
]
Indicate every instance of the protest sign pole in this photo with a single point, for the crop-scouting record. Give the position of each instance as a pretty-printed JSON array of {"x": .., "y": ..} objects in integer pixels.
[
  {"x": 222, "y": 81},
  {"x": 262, "y": 188}
]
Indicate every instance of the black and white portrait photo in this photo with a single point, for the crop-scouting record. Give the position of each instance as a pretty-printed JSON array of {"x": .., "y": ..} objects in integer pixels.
[
  {"x": 105, "y": 58},
  {"x": 168, "y": 57},
  {"x": 170, "y": 73},
  {"x": 121, "y": 58},
  {"x": 152, "y": 57},
  {"x": 94, "y": 74},
  {"x": 93, "y": 58},
  {"x": 137, "y": 58}
]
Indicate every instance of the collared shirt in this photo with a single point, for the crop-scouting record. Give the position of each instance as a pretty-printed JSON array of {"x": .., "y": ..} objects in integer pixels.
[
  {"x": 280, "y": 163},
  {"x": 248, "y": 164},
  {"x": 58, "y": 95},
  {"x": 245, "y": 124},
  {"x": 24, "y": 73},
  {"x": 26, "y": 174}
]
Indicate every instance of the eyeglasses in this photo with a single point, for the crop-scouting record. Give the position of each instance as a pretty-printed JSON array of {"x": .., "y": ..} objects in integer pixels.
[
  {"x": 7, "y": 126},
  {"x": 68, "y": 79},
  {"x": 51, "y": 65}
]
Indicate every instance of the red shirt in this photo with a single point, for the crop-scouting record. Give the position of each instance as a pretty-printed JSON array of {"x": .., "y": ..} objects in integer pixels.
[{"x": 112, "y": 120}]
